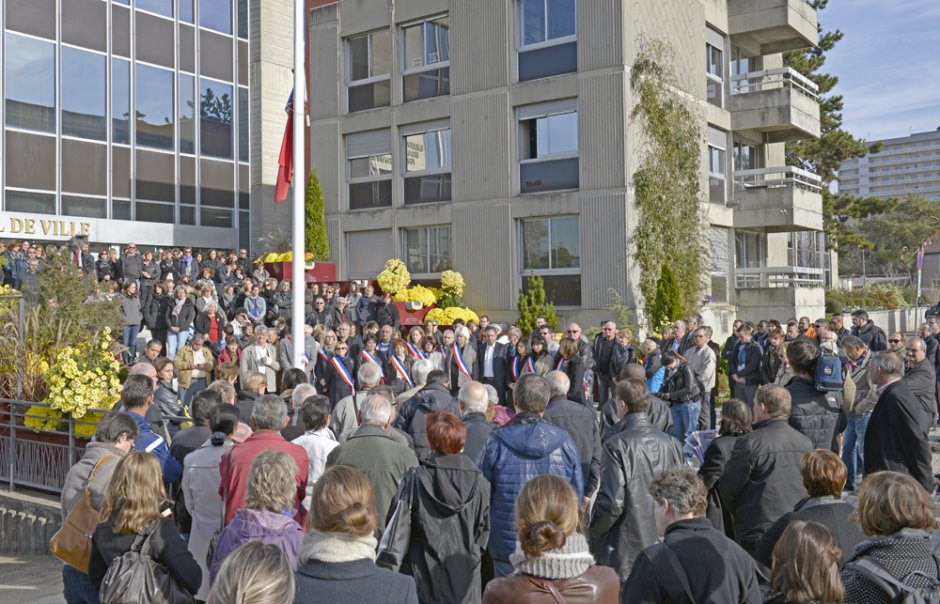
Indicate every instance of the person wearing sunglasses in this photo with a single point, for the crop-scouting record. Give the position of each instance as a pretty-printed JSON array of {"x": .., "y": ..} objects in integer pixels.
[{"x": 896, "y": 343}]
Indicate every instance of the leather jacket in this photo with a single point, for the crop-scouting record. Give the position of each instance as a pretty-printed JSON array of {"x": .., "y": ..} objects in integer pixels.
[
  {"x": 595, "y": 585},
  {"x": 680, "y": 385}
]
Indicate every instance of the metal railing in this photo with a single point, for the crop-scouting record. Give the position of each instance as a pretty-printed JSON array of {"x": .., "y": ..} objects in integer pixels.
[
  {"x": 769, "y": 178},
  {"x": 779, "y": 276},
  {"x": 770, "y": 79},
  {"x": 37, "y": 458}
]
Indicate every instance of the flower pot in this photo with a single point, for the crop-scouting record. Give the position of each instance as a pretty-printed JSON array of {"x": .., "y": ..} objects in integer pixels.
[{"x": 413, "y": 305}]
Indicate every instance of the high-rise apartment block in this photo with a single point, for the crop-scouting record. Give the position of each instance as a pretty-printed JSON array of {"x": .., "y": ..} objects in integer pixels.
[{"x": 909, "y": 165}]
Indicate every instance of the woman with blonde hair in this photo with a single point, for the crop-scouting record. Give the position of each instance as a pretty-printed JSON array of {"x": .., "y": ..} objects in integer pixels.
[
  {"x": 268, "y": 515},
  {"x": 552, "y": 561},
  {"x": 337, "y": 559},
  {"x": 805, "y": 570},
  {"x": 255, "y": 573},
  {"x": 137, "y": 507}
]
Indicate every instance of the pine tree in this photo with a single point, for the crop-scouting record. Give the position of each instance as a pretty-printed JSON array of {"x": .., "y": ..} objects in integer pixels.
[
  {"x": 667, "y": 305},
  {"x": 532, "y": 305},
  {"x": 315, "y": 239}
]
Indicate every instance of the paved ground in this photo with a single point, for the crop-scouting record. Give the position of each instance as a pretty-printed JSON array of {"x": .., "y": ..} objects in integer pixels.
[{"x": 30, "y": 580}]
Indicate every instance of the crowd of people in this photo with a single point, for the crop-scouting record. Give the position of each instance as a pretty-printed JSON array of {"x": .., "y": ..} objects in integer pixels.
[{"x": 475, "y": 462}]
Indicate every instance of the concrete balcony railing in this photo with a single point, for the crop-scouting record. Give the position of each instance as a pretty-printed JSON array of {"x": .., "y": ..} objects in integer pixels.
[
  {"x": 779, "y": 276},
  {"x": 780, "y": 291},
  {"x": 771, "y": 26},
  {"x": 774, "y": 105},
  {"x": 777, "y": 200}
]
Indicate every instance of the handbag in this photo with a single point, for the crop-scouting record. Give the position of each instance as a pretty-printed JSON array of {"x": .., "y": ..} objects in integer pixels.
[
  {"x": 136, "y": 578},
  {"x": 72, "y": 542},
  {"x": 396, "y": 540}
]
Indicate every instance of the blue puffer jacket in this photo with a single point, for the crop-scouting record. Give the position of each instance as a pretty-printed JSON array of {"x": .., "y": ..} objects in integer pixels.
[{"x": 524, "y": 448}]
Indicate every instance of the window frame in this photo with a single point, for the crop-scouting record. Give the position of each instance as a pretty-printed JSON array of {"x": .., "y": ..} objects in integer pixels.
[
  {"x": 551, "y": 157},
  {"x": 711, "y": 144},
  {"x": 350, "y": 180},
  {"x": 522, "y": 47},
  {"x": 108, "y": 85},
  {"x": 526, "y": 272},
  {"x": 56, "y": 85},
  {"x": 403, "y": 236},
  {"x": 371, "y": 79},
  {"x": 718, "y": 79},
  {"x": 405, "y": 70},
  {"x": 405, "y": 173}
]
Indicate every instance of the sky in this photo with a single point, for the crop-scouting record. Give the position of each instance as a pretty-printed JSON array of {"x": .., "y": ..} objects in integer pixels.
[{"x": 888, "y": 65}]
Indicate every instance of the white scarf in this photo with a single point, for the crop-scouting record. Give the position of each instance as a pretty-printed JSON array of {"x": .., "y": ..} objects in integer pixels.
[{"x": 336, "y": 547}]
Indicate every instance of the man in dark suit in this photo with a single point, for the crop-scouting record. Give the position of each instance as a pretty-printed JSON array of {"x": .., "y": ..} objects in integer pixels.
[
  {"x": 896, "y": 438},
  {"x": 744, "y": 366},
  {"x": 491, "y": 362}
]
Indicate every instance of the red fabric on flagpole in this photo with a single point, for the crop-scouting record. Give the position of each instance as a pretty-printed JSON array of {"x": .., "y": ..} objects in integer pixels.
[{"x": 285, "y": 161}]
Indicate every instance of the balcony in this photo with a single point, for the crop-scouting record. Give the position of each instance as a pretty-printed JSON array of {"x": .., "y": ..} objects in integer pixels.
[
  {"x": 777, "y": 200},
  {"x": 780, "y": 291},
  {"x": 771, "y": 26},
  {"x": 774, "y": 105}
]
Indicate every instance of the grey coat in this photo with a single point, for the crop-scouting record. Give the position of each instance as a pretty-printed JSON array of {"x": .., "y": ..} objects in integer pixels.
[
  {"x": 130, "y": 306},
  {"x": 249, "y": 363},
  {"x": 77, "y": 479}
]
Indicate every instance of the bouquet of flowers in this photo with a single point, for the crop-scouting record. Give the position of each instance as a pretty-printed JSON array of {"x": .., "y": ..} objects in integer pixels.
[{"x": 394, "y": 277}]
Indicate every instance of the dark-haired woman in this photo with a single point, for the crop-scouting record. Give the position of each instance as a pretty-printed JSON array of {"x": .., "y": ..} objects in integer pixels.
[
  {"x": 736, "y": 420},
  {"x": 447, "y": 502},
  {"x": 201, "y": 481},
  {"x": 540, "y": 355},
  {"x": 552, "y": 557}
]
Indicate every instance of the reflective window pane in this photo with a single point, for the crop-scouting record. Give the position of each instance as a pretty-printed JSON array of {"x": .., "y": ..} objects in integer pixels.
[
  {"x": 120, "y": 209},
  {"x": 414, "y": 46},
  {"x": 416, "y": 250},
  {"x": 561, "y": 19},
  {"x": 186, "y": 10},
  {"x": 427, "y": 250},
  {"x": 381, "y": 51},
  {"x": 215, "y": 118},
  {"x": 562, "y": 290},
  {"x": 243, "y": 131},
  {"x": 428, "y": 188},
  {"x": 187, "y": 113},
  {"x": 161, "y": 7},
  {"x": 533, "y": 21},
  {"x": 369, "y": 96},
  {"x": 155, "y": 212},
  {"x": 154, "y": 107},
  {"x": 535, "y": 244},
  {"x": 557, "y": 135},
  {"x": 83, "y": 94},
  {"x": 120, "y": 101},
  {"x": 216, "y": 14},
  {"x": 428, "y": 151},
  {"x": 120, "y": 31},
  {"x": 27, "y": 201},
  {"x": 217, "y": 186},
  {"x": 439, "y": 249},
  {"x": 566, "y": 242},
  {"x": 426, "y": 44},
  {"x": 30, "y": 161},
  {"x": 87, "y": 207},
  {"x": 375, "y": 165},
  {"x": 156, "y": 176},
  {"x": 243, "y": 19},
  {"x": 83, "y": 23},
  {"x": 426, "y": 84},
  {"x": 84, "y": 167},
  {"x": 187, "y": 215},
  {"x": 358, "y": 58},
  {"x": 215, "y": 56},
  {"x": 36, "y": 17},
  {"x": 212, "y": 217},
  {"x": 29, "y": 76}
]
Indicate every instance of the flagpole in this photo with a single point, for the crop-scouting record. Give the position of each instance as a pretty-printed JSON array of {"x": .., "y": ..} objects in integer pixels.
[{"x": 299, "y": 182}]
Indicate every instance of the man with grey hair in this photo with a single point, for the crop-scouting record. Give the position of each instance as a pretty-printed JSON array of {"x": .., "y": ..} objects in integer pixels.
[
  {"x": 473, "y": 400},
  {"x": 345, "y": 414},
  {"x": 896, "y": 438},
  {"x": 412, "y": 417},
  {"x": 689, "y": 541},
  {"x": 311, "y": 349},
  {"x": 295, "y": 425},
  {"x": 524, "y": 448},
  {"x": 225, "y": 389},
  {"x": 581, "y": 424},
  {"x": 373, "y": 452},
  {"x": 261, "y": 357},
  {"x": 920, "y": 375},
  {"x": 419, "y": 374},
  {"x": 268, "y": 418}
]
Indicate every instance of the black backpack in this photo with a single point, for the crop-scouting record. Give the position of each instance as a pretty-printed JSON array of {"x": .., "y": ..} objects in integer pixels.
[
  {"x": 898, "y": 591},
  {"x": 829, "y": 375}
]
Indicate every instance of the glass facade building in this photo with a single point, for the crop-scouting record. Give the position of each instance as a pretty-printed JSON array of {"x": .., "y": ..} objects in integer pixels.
[{"x": 130, "y": 110}]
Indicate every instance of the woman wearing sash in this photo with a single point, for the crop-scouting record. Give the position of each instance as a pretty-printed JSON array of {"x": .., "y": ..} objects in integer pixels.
[
  {"x": 463, "y": 359},
  {"x": 415, "y": 338},
  {"x": 398, "y": 368},
  {"x": 541, "y": 358},
  {"x": 519, "y": 363},
  {"x": 339, "y": 374},
  {"x": 432, "y": 352},
  {"x": 369, "y": 354},
  {"x": 569, "y": 361},
  {"x": 327, "y": 344}
]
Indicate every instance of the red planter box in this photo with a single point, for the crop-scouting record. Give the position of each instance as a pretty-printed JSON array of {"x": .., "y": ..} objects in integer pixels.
[
  {"x": 410, "y": 318},
  {"x": 321, "y": 272}
]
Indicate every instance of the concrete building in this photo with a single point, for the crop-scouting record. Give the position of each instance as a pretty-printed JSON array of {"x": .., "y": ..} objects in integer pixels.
[
  {"x": 494, "y": 137},
  {"x": 206, "y": 81},
  {"x": 909, "y": 165}
]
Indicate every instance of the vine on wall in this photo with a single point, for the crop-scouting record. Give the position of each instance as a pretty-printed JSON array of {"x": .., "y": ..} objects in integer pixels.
[{"x": 669, "y": 230}]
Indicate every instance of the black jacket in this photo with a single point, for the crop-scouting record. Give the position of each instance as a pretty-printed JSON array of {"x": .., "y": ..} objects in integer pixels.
[
  {"x": 184, "y": 319},
  {"x": 450, "y": 527},
  {"x": 581, "y": 424},
  {"x": 680, "y": 385},
  {"x": 246, "y": 404},
  {"x": 873, "y": 336},
  {"x": 202, "y": 324},
  {"x": 921, "y": 380},
  {"x": 751, "y": 371},
  {"x": 500, "y": 367},
  {"x": 833, "y": 514},
  {"x": 413, "y": 414},
  {"x": 716, "y": 457},
  {"x": 622, "y": 522},
  {"x": 388, "y": 315},
  {"x": 166, "y": 548},
  {"x": 157, "y": 310},
  {"x": 659, "y": 415},
  {"x": 353, "y": 582},
  {"x": 816, "y": 414},
  {"x": 478, "y": 430},
  {"x": 717, "y": 569},
  {"x": 574, "y": 369},
  {"x": 906, "y": 555},
  {"x": 762, "y": 481},
  {"x": 896, "y": 438},
  {"x": 621, "y": 357}
]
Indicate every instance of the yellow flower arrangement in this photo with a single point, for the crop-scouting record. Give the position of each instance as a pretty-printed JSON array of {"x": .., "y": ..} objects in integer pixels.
[
  {"x": 452, "y": 283},
  {"x": 285, "y": 257},
  {"x": 418, "y": 293},
  {"x": 447, "y": 316},
  {"x": 43, "y": 418},
  {"x": 84, "y": 377},
  {"x": 394, "y": 277}
]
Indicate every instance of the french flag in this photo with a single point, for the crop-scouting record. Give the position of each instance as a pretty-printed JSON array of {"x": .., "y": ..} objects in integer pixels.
[{"x": 285, "y": 160}]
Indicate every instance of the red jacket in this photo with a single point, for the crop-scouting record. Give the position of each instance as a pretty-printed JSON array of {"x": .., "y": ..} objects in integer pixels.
[{"x": 236, "y": 464}]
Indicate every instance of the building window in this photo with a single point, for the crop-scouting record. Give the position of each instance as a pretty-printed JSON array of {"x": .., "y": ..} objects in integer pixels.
[
  {"x": 742, "y": 63},
  {"x": 548, "y": 43},
  {"x": 717, "y": 166},
  {"x": 120, "y": 101},
  {"x": 368, "y": 69},
  {"x": 187, "y": 113},
  {"x": 243, "y": 19},
  {"x": 427, "y": 166},
  {"x": 186, "y": 10},
  {"x": 367, "y": 252},
  {"x": 714, "y": 68},
  {"x": 154, "y": 107},
  {"x": 748, "y": 250},
  {"x": 243, "y": 131},
  {"x": 29, "y": 76},
  {"x": 426, "y": 72},
  {"x": 84, "y": 94},
  {"x": 369, "y": 169},
  {"x": 551, "y": 248},
  {"x": 427, "y": 250},
  {"x": 548, "y": 137},
  {"x": 160, "y": 7},
  {"x": 215, "y": 118},
  {"x": 746, "y": 156},
  {"x": 216, "y": 15}
]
